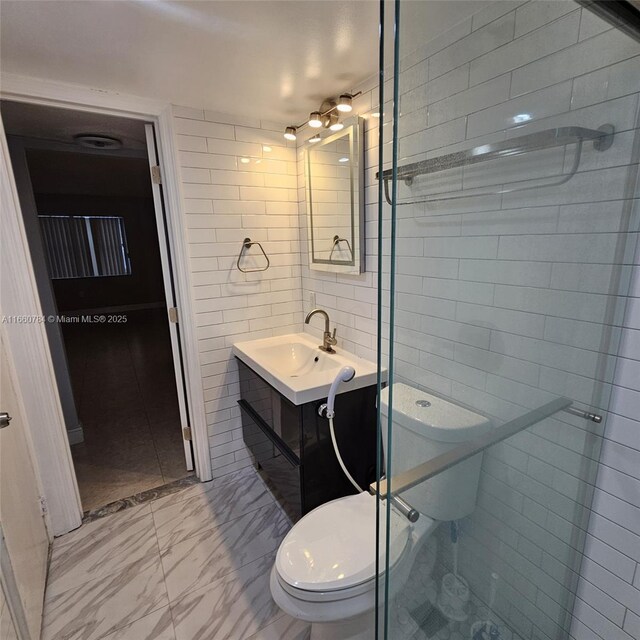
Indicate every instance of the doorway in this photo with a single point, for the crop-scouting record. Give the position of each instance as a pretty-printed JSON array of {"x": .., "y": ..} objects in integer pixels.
[{"x": 103, "y": 271}]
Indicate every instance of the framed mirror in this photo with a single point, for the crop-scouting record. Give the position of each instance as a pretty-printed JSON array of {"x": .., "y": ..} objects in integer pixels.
[{"x": 334, "y": 169}]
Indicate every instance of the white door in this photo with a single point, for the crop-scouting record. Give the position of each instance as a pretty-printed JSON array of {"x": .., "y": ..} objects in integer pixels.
[
  {"x": 24, "y": 543},
  {"x": 169, "y": 291}
]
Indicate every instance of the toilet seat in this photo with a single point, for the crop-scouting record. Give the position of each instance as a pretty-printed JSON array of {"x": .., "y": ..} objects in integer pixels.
[{"x": 333, "y": 548}]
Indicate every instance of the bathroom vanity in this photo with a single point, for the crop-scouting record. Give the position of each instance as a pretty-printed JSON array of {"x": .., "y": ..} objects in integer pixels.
[{"x": 281, "y": 426}]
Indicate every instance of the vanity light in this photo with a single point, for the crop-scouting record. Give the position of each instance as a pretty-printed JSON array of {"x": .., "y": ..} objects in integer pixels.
[
  {"x": 326, "y": 116},
  {"x": 316, "y": 138},
  {"x": 344, "y": 103},
  {"x": 315, "y": 119}
]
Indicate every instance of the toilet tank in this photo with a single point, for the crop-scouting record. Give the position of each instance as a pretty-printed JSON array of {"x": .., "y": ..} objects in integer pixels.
[{"x": 425, "y": 426}]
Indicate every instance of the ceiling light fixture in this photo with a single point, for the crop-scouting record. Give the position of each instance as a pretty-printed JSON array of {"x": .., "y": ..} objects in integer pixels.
[
  {"x": 97, "y": 141},
  {"x": 315, "y": 119},
  {"x": 327, "y": 116},
  {"x": 344, "y": 103},
  {"x": 316, "y": 138},
  {"x": 336, "y": 125}
]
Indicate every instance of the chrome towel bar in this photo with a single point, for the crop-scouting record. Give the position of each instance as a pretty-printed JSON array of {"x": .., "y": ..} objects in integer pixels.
[
  {"x": 602, "y": 139},
  {"x": 246, "y": 244},
  {"x": 336, "y": 241},
  {"x": 412, "y": 477}
]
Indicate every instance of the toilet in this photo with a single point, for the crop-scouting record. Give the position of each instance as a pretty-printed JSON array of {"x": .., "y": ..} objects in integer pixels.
[{"x": 325, "y": 568}]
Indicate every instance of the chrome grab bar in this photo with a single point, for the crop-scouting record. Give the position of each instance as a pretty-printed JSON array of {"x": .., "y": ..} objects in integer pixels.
[{"x": 416, "y": 475}]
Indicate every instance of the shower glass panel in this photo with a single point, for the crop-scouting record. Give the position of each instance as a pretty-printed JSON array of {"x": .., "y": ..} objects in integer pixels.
[{"x": 511, "y": 172}]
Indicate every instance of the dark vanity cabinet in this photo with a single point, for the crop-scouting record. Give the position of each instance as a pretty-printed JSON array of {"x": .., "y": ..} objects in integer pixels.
[{"x": 292, "y": 443}]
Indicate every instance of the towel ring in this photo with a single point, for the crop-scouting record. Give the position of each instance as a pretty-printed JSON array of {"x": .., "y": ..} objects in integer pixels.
[
  {"x": 336, "y": 241},
  {"x": 246, "y": 244}
]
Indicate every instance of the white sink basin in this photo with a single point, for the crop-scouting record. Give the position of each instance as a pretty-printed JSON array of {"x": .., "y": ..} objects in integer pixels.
[
  {"x": 299, "y": 370},
  {"x": 295, "y": 358}
]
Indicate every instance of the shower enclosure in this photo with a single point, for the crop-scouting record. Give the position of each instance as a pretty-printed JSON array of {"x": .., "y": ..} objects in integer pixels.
[{"x": 508, "y": 269}]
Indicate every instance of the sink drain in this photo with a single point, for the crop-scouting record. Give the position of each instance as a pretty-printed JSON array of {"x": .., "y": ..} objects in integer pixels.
[{"x": 423, "y": 403}]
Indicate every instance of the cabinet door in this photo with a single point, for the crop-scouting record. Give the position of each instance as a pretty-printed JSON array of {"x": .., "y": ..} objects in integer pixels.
[
  {"x": 25, "y": 540},
  {"x": 280, "y": 464}
]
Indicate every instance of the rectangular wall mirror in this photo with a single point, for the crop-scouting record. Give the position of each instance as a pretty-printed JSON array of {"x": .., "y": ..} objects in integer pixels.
[{"x": 335, "y": 200}]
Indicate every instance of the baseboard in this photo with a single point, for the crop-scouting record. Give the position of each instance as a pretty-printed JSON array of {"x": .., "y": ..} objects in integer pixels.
[
  {"x": 117, "y": 309},
  {"x": 75, "y": 435}
]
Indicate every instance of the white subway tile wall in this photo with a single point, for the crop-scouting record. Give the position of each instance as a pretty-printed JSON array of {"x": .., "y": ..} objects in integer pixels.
[
  {"x": 504, "y": 302},
  {"x": 238, "y": 180}
]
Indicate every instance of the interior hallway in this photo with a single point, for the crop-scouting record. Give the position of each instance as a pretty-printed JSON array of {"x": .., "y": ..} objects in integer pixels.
[{"x": 125, "y": 391}]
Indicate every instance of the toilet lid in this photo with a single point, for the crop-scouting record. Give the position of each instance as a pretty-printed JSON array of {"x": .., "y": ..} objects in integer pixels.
[{"x": 334, "y": 546}]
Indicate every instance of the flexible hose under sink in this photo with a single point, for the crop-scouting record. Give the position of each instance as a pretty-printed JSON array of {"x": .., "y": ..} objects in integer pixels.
[{"x": 335, "y": 448}]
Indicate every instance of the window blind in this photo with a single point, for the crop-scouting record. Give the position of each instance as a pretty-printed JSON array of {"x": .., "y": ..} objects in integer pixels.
[{"x": 85, "y": 246}]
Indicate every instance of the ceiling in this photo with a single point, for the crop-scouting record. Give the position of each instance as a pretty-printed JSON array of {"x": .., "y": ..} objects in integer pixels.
[
  {"x": 271, "y": 59},
  {"x": 62, "y": 125}
]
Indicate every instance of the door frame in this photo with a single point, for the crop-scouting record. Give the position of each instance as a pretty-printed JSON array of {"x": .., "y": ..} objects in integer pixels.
[{"x": 51, "y": 445}]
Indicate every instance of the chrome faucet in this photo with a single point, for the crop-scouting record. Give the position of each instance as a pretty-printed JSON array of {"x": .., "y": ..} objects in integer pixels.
[{"x": 328, "y": 340}]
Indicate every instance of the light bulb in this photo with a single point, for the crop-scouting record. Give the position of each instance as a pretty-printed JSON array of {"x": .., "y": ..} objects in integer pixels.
[
  {"x": 344, "y": 103},
  {"x": 314, "y": 119},
  {"x": 290, "y": 133}
]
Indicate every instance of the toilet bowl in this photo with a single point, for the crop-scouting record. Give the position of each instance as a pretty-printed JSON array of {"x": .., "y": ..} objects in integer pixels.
[{"x": 326, "y": 571}]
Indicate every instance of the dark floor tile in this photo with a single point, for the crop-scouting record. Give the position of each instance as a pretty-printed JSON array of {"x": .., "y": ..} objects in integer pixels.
[{"x": 124, "y": 382}]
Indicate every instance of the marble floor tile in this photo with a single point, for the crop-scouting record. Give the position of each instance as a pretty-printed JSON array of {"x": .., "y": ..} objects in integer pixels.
[
  {"x": 94, "y": 609},
  {"x": 231, "y": 608},
  {"x": 221, "y": 503},
  {"x": 103, "y": 526},
  {"x": 155, "y": 626},
  {"x": 106, "y": 550},
  {"x": 143, "y": 497},
  {"x": 284, "y": 628},
  {"x": 7, "y": 629},
  {"x": 201, "y": 488},
  {"x": 199, "y": 560}
]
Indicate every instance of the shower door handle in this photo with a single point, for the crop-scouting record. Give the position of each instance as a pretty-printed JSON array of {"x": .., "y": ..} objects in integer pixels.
[{"x": 5, "y": 419}]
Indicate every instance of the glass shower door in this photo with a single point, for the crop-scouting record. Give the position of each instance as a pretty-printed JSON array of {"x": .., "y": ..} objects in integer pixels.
[{"x": 511, "y": 174}]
